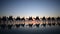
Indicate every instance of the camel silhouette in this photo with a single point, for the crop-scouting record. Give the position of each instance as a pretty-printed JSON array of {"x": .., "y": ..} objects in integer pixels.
[
  {"x": 37, "y": 18},
  {"x": 44, "y": 19},
  {"x": 4, "y": 18},
  {"x": 18, "y": 18},
  {"x": 10, "y": 18},
  {"x": 30, "y": 18},
  {"x": 23, "y": 19},
  {"x": 49, "y": 21},
  {"x": 53, "y": 21},
  {"x": 58, "y": 20}
]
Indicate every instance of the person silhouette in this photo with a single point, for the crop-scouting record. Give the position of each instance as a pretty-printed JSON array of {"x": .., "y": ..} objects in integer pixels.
[
  {"x": 37, "y": 20},
  {"x": 10, "y": 20},
  {"x": 44, "y": 20},
  {"x": 58, "y": 20},
  {"x": 53, "y": 21},
  {"x": 4, "y": 18},
  {"x": 49, "y": 21},
  {"x": 30, "y": 19}
]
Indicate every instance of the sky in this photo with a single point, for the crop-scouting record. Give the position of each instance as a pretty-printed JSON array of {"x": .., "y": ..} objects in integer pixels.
[{"x": 30, "y": 8}]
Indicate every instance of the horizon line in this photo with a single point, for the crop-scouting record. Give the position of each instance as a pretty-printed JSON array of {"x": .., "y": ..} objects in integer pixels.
[{"x": 31, "y": 16}]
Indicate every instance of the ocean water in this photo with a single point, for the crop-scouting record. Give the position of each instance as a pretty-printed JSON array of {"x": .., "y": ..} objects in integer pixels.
[{"x": 47, "y": 29}]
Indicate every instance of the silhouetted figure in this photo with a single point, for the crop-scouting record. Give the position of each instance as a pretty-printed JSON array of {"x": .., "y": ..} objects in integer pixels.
[
  {"x": 58, "y": 20},
  {"x": 18, "y": 18},
  {"x": 37, "y": 18},
  {"x": 23, "y": 19},
  {"x": 44, "y": 20},
  {"x": 53, "y": 18},
  {"x": 53, "y": 21},
  {"x": 48, "y": 18},
  {"x": 4, "y": 18},
  {"x": 10, "y": 18},
  {"x": 30, "y": 18},
  {"x": 49, "y": 21}
]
